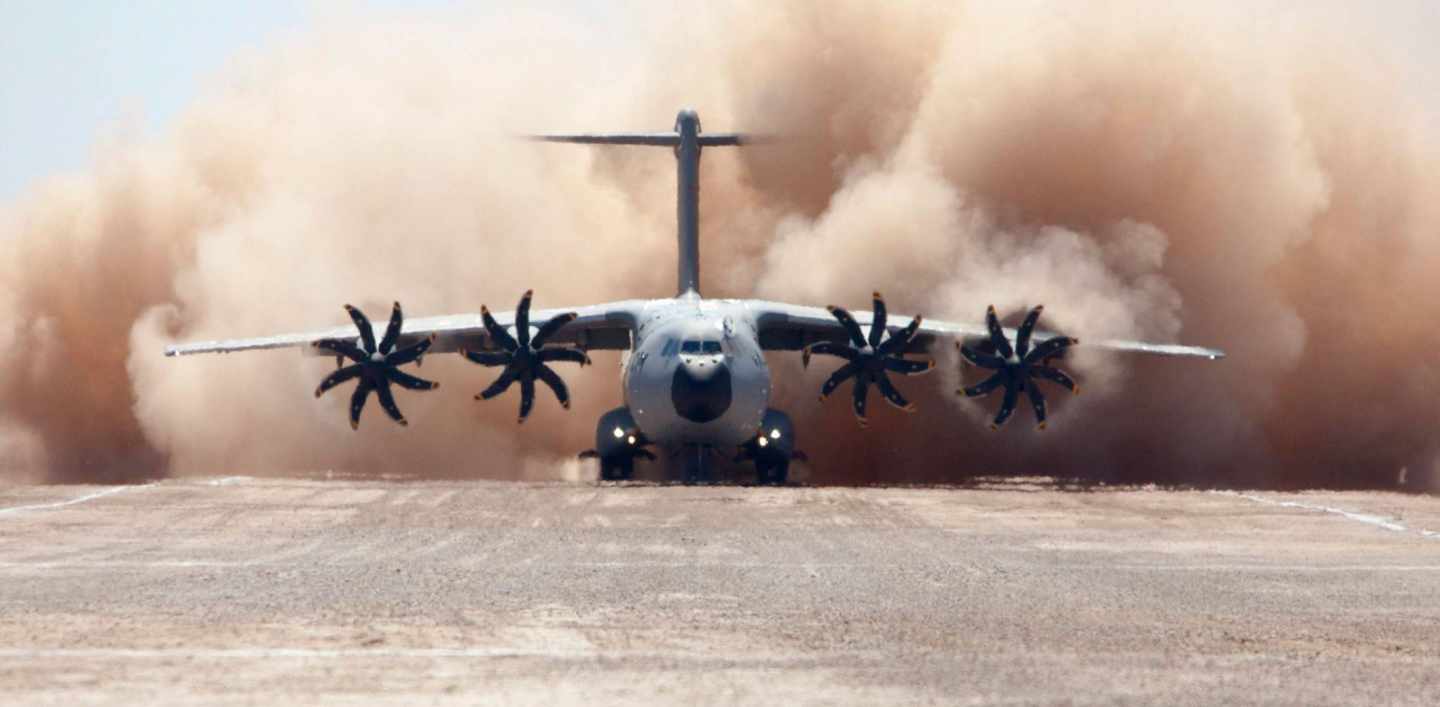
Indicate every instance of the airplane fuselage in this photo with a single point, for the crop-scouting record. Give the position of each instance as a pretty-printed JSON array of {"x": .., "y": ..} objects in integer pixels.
[{"x": 696, "y": 374}]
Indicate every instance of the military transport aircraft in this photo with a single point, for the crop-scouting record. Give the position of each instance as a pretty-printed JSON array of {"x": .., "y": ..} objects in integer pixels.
[{"x": 694, "y": 379}]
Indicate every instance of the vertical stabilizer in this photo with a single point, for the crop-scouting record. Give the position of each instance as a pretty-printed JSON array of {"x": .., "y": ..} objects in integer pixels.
[{"x": 687, "y": 142}]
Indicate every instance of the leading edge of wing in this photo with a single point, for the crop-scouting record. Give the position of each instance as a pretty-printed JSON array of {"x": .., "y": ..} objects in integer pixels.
[
  {"x": 448, "y": 328},
  {"x": 780, "y": 315}
]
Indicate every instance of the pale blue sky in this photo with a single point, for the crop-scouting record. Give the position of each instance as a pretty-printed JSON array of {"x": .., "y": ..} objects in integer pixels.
[{"x": 72, "y": 71}]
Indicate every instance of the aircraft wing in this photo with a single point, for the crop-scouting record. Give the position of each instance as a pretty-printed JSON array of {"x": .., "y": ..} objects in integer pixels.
[
  {"x": 600, "y": 326},
  {"x": 788, "y": 327}
]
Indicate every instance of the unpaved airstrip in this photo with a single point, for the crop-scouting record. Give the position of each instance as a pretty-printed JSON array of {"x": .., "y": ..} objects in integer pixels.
[{"x": 335, "y": 591}]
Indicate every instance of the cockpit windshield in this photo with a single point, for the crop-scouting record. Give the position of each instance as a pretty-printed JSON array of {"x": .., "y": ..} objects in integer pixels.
[{"x": 700, "y": 347}]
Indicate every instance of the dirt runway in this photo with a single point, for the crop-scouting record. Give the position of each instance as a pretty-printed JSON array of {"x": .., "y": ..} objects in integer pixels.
[{"x": 335, "y": 591}]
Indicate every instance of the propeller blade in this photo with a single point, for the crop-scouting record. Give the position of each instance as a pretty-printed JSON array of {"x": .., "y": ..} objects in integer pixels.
[
  {"x": 892, "y": 395},
  {"x": 357, "y": 402},
  {"x": 410, "y": 353},
  {"x": 549, "y": 328},
  {"x": 522, "y": 317},
  {"x": 877, "y": 321},
  {"x": 852, "y": 327},
  {"x": 367, "y": 332},
  {"x": 338, "y": 377},
  {"x": 387, "y": 403},
  {"x": 997, "y": 334},
  {"x": 1007, "y": 406},
  {"x": 906, "y": 367},
  {"x": 1050, "y": 347},
  {"x": 392, "y": 331},
  {"x": 527, "y": 397},
  {"x": 839, "y": 376},
  {"x": 568, "y": 355},
  {"x": 985, "y": 386},
  {"x": 347, "y": 349},
  {"x": 829, "y": 348},
  {"x": 1056, "y": 375},
  {"x": 980, "y": 358},
  {"x": 549, "y": 377},
  {"x": 901, "y": 339},
  {"x": 490, "y": 358},
  {"x": 409, "y": 382},
  {"x": 1037, "y": 401},
  {"x": 502, "y": 383},
  {"x": 860, "y": 393},
  {"x": 1022, "y": 337},
  {"x": 498, "y": 335}
]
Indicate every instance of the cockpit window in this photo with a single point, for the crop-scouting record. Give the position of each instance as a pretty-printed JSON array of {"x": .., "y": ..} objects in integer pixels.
[{"x": 701, "y": 347}]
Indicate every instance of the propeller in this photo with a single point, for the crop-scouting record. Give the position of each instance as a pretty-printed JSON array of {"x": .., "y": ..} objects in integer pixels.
[
  {"x": 1019, "y": 368},
  {"x": 525, "y": 360},
  {"x": 377, "y": 366},
  {"x": 869, "y": 360}
]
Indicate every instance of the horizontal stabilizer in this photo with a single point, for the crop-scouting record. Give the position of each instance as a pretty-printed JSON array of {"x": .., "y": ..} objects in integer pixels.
[
  {"x": 613, "y": 138},
  {"x": 661, "y": 139}
]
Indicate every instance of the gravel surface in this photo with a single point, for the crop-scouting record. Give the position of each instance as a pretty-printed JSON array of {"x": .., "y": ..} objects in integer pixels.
[{"x": 316, "y": 591}]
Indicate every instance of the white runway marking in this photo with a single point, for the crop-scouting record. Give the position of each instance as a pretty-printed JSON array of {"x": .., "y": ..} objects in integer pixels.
[
  {"x": 73, "y": 501},
  {"x": 1369, "y": 519},
  {"x": 251, "y": 653}
]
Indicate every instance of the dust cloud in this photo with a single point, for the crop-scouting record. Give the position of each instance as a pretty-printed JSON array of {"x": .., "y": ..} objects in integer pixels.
[{"x": 1144, "y": 172}]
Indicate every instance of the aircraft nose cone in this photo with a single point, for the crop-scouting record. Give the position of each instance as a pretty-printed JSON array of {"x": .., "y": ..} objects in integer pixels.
[{"x": 701, "y": 392}]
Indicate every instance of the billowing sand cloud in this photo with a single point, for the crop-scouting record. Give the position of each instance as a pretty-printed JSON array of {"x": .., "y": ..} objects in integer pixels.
[{"x": 1142, "y": 172}]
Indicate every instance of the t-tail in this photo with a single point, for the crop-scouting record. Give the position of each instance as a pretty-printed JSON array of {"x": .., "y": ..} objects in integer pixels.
[{"x": 687, "y": 142}]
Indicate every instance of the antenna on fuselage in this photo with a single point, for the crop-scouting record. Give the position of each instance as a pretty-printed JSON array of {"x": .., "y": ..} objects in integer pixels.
[{"x": 687, "y": 141}]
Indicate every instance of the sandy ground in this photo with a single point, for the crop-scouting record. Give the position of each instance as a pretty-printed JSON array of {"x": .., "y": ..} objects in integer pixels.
[{"x": 263, "y": 591}]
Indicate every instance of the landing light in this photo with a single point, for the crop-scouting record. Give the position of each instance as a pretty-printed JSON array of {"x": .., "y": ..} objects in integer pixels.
[
  {"x": 775, "y": 433},
  {"x": 619, "y": 433},
  {"x": 632, "y": 439},
  {"x": 763, "y": 442}
]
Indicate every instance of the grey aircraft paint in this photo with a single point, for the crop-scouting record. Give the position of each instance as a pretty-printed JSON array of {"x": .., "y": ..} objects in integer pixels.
[{"x": 694, "y": 376}]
